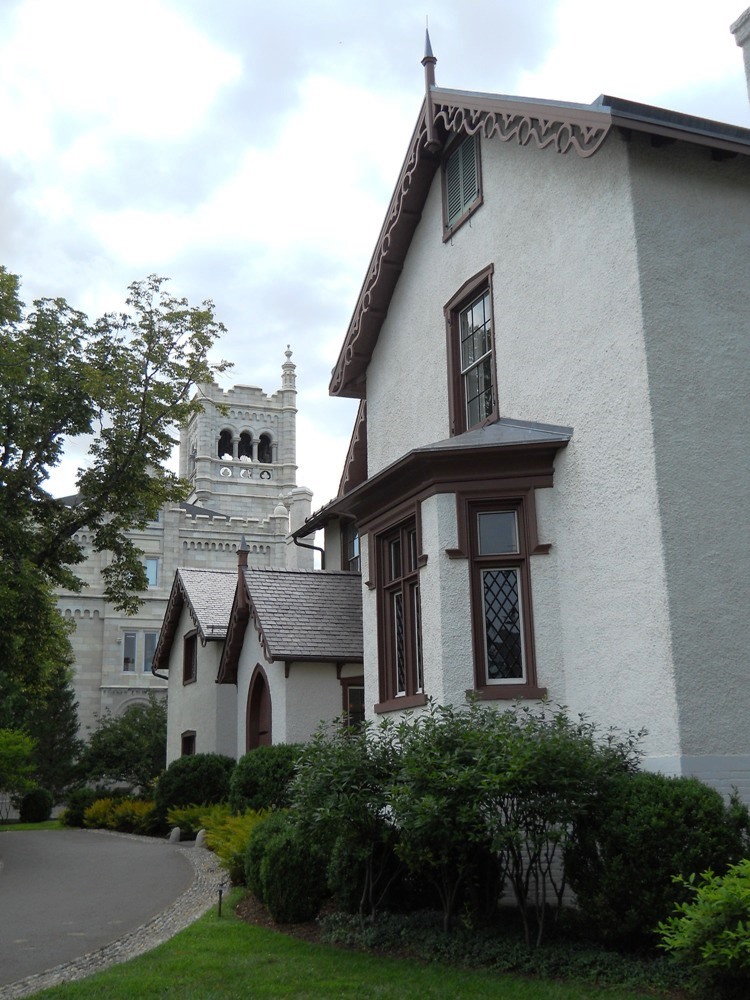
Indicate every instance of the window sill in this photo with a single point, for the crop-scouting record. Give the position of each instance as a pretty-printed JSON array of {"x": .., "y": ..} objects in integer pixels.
[
  {"x": 398, "y": 704},
  {"x": 507, "y": 692},
  {"x": 189, "y": 680}
]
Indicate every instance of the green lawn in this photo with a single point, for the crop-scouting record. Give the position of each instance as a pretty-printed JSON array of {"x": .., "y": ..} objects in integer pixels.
[
  {"x": 51, "y": 824},
  {"x": 223, "y": 959}
]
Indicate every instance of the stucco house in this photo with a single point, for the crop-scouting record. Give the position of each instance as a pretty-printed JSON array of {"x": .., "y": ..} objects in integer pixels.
[
  {"x": 259, "y": 655},
  {"x": 547, "y": 486}
]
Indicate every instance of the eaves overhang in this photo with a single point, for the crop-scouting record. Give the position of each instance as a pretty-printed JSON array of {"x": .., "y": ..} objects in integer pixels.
[
  {"x": 555, "y": 125},
  {"x": 179, "y": 598}
]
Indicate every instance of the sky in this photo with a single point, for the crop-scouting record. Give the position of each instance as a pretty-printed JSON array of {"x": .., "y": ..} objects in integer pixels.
[{"x": 248, "y": 150}]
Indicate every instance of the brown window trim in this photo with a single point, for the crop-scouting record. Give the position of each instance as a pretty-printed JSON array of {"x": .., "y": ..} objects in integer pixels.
[
  {"x": 346, "y": 684},
  {"x": 456, "y": 399},
  {"x": 190, "y": 658},
  {"x": 391, "y": 585},
  {"x": 187, "y": 743},
  {"x": 467, "y": 509},
  {"x": 450, "y": 228}
]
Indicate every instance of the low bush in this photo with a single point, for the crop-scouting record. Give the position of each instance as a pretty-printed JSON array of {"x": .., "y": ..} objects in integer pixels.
[
  {"x": 36, "y": 806},
  {"x": 135, "y": 816},
  {"x": 100, "y": 815},
  {"x": 499, "y": 946},
  {"x": 263, "y": 832},
  {"x": 201, "y": 778},
  {"x": 711, "y": 931},
  {"x": 262, "y": 778},
  {"x": 643, "y": 830},
  {"x": 187, "y": 818},
  {"x": 228, "y": 836},
  {"x": 77, "y": 803}
]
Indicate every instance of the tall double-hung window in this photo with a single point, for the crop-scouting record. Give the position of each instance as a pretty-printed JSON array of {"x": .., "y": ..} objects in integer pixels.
[
  {"x": 472, "y": 378},
  {"x": 400, "y": 613}
]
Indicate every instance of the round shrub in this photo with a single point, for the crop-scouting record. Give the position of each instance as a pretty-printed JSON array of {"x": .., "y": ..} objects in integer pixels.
[
  {"x": 292, "y": 875},
  {"x": 262, "y": 777},
  {"x": 285, "y": 869},
  {"x": 645, "y": 829},
  {"x": 268, "y": 828},
  {"x": 198, "y": 779},
  {"x": 36, "y": 806}
]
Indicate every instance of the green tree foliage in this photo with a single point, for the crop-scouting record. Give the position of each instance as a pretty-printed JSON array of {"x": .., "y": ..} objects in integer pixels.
[
  {"x": 16, "y": 765},
  {"x": 131, "y": 748},
  {"x": 711, "y": 931},
  {"x": 123, "y": 383},
  {"x": 52, "y": 720}
]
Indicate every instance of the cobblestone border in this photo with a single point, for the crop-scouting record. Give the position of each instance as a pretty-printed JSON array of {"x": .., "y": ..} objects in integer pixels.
[{"x": 208, "y": 877}]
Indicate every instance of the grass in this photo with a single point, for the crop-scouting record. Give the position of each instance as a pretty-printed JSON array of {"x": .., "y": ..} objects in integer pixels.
[
  {"x": 226, "y": 959},
  {"x": 50, "y": 824}
]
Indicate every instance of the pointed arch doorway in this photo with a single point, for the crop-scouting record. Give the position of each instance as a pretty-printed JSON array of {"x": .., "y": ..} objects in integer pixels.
[{"x": 258, "y": 717}]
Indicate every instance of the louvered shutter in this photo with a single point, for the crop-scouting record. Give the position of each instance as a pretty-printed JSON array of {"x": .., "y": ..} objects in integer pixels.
[{"x": 461, "y": 179}]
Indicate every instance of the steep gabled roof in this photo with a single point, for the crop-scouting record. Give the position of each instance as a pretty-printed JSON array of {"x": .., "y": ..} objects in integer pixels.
[
  {"x": 307, "y": 614},
  {"x": 299, "y": 615},
  {"x": 555, "y": 125},
  {"x": 208, "y": 595}
]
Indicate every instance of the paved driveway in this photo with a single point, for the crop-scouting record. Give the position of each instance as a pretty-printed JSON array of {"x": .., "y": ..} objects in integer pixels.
[{"x": 64, "y": 893}]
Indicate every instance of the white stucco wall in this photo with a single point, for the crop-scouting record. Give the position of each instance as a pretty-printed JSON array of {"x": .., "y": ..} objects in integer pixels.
[
  {"x": 311, "y": 694},
  {"x": 207, "y": 708},
  {"x": 570, "y": 350}
]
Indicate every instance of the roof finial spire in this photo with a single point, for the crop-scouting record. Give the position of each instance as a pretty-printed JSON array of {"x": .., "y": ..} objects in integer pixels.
[{"x": 428, "y": 62}]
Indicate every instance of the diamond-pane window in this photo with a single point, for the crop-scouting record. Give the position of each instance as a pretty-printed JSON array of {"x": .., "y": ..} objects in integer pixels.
[{"x": 502, "y": 625}]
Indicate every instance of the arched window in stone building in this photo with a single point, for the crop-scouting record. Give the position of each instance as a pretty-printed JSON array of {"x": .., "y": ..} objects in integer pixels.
[
  {"x": 245, "y": 447},
  {"x": 225, "y": 444},
  {"x": 264, "y": 449}
]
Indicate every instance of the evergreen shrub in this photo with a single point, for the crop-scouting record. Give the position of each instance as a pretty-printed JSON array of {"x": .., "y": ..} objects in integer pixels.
[
  {"x": 36, "y": 806},
  {"x": 292, "y": 875},
  {"x": 201, "y": 778},
  {"x": 228, "y": 835},
  {"x": 269, "y": 826},
  {"x": 262, "y": 777},
  {"x": 645, "y": 829}
]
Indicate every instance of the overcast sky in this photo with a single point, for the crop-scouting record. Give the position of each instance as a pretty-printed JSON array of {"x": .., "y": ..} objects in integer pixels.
[{"x": 248, "y": 150}]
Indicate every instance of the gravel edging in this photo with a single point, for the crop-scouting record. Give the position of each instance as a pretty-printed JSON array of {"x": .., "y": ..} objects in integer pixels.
[{"x": 208, "y": 878}]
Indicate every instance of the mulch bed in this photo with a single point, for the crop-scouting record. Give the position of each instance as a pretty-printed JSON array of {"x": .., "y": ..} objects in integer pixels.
[{"x": 252, "y": 911}]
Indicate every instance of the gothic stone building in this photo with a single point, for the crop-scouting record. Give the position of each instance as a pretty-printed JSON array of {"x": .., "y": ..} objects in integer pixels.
[{"x": 241, "y": 465}]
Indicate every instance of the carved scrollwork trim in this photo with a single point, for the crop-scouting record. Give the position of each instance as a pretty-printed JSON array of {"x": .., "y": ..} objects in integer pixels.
[
  {"x": 364, "y": 302},
  {"x": 562, "y": 134}
]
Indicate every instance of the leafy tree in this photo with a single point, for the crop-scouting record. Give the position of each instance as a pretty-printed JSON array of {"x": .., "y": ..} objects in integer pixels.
[
  {"x": 126, "y": 380},
  {"x": 16, "y": 765},
  {"x": 131, "y": 748}
]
